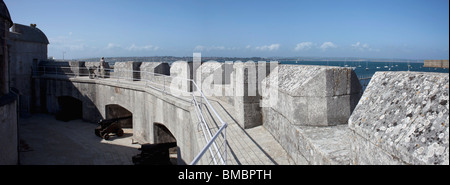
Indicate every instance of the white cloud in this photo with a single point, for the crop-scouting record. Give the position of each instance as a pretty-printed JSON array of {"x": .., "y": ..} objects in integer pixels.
[
  {"x": 217, "y": 48},
  {"x": 303, "y": 46},
  {"x": 133, "y": 47},
  {"x": 363, "y": 47},
  {"x": 358, "y": 45},
  {"x": 272, "y": 47},
  {"x": 327, "y": 45},
  {"x": 199, "y": 48},
  {"x": 113, "y": 46},
  {"x": 68, "y": 44}
]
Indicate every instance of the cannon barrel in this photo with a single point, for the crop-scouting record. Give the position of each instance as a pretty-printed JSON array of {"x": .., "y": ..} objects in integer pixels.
[{"x": 110, "y": 121}]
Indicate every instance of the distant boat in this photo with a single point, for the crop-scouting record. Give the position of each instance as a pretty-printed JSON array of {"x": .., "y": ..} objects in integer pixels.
[
  {"x": 378, "y": 67},
  {"x": 367, "y": 68},
  {"x": 386, "y": 66},
  {"x": 359, "y": 65}
]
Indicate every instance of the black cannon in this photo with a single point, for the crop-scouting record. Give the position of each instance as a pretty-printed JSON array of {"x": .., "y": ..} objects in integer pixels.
[
  {"x": 154, "y": 154},
  {"x": 110, "y": 126}
]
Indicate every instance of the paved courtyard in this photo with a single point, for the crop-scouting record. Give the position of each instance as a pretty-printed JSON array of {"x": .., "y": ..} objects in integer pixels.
[{"x": 47, "y": 141}]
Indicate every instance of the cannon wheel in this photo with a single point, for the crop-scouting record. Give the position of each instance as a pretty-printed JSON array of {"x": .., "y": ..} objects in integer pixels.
[
  {"x": 106, "y": 136},
  {"x": 119, "y": 132}
]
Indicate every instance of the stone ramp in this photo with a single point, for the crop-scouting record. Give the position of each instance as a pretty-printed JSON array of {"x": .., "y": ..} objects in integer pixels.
[
  {"x": 255, "y": 146},
  {"x": 309, "y": 109},
  {"x": 317, "y": 145},
  {"x": 325, "y": 145}
]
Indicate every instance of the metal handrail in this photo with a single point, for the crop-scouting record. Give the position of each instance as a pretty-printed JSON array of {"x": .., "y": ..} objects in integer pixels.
[
  {"x": 210, "y": 141},
  {"x": 222, "y": 128}
]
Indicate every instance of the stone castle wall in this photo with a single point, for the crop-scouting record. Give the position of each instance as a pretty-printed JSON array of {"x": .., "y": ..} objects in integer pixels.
[
  {"x": 315, "y": 112},
  {"x": 402, "y": 118}
]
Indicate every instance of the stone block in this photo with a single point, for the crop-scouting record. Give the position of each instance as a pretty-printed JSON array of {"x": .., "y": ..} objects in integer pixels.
[
  {"x": 318, "y": 145},
  {"x": 8, "y": 130},
  {"x": 314, "y": 95},
  {"x": 155, "y": 72},
  {"x": 247, "y": 78},
  {"x": 180, "y": 72},
  {"x": 76, "y": 69},
  {"x": 127, "y": 70},
  {"x": 402, "y": 118}
]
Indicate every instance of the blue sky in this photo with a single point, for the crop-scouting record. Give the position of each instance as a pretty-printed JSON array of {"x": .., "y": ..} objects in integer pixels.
[{"x": 411, "y": 29}]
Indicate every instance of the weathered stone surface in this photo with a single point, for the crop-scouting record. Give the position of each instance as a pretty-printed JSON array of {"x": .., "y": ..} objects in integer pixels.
[
  {"x": 155, "y": 72},
  {"x": 208, "y": 75},
  {"x": 246, "y": 79},
  {"x": 314, "y": 95},
  {"x": 316, "y": 145},
  {"x": 127, "y": 70},
  {"x": 312, "y": 107},
  {"x": 402, "y": 118},
  {"x": 8, "y": 130},
  {"x": 180, "y": 72}
]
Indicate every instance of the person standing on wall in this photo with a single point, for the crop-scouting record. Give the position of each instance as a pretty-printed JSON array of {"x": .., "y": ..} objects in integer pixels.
[{"x": 102, "y": 67}]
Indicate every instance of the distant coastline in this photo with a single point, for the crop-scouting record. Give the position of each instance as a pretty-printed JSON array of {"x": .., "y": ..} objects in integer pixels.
[{"x": 244, "y": 59}]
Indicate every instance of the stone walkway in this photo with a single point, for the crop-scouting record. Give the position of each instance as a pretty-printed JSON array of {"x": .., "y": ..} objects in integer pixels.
[
  {"x": 47, "y": 141},
  {"x": 255, "y": 146}
]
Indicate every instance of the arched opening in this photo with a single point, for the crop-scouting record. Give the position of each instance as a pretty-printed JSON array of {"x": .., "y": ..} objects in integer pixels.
[
  {"x": 164, "y": 150},
  {"x": 115, "y": 111},
  {"x": 70, "y": 108},
  {"x": 162, "y": 135},
  {"x": 118, "y": 121}
]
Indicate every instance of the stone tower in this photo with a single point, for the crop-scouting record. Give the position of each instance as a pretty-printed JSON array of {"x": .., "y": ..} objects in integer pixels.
[
  {"x": 8, "y": 101},
  {"x": 5, "y": 24}
]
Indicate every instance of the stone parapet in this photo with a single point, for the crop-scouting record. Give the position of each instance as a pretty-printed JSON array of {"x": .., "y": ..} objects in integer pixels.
[
  {"x": 248, "y": 91},
  {"x": 127, "y": 70},
  {"x": 155, "y": 72},
  {"x": 402, "y": 118},
  {"x": 314, "y": 95},
  {"x": 308, "y": 109}
]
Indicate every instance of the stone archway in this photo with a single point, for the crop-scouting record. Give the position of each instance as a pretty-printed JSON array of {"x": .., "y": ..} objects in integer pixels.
[
  {"x": 162, "y": 135},
  {"x": 70, "y": 108},
  {"x": 113, "y": 111}
]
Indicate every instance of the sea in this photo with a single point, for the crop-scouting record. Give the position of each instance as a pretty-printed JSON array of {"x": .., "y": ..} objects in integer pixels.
[{"x": 366, "y": 69}]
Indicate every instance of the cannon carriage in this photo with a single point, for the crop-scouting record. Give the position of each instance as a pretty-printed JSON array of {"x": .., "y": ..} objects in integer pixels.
[{"x": 110, "y": 126}]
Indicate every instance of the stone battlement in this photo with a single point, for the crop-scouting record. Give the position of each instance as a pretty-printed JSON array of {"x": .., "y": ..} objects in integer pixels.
[{"x": 318, "y": 114}]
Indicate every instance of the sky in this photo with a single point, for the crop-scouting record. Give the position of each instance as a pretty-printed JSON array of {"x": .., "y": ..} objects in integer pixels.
[{"x": 406, "y": 29}]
